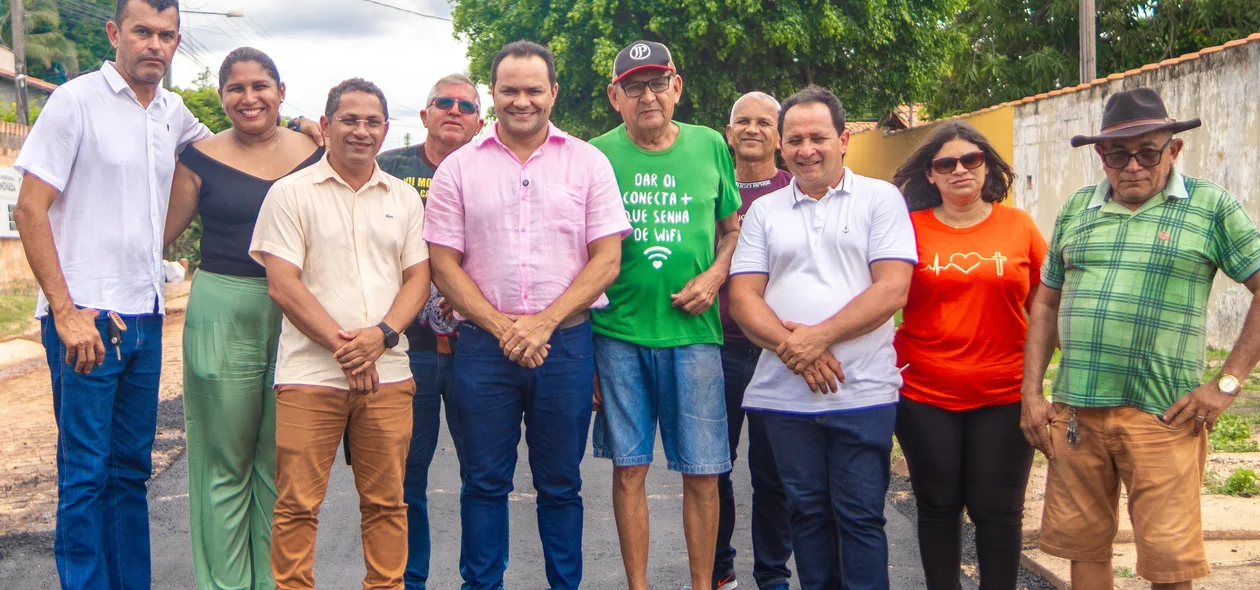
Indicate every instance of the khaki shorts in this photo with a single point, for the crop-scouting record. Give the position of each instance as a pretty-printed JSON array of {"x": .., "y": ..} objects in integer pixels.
[{"x": 1162, "y": 469}]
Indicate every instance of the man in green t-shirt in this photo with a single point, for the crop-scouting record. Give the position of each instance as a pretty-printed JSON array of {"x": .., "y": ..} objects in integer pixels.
[
  {"x": 1124, "y": 291},
  {"x": 657, "y": 343}
]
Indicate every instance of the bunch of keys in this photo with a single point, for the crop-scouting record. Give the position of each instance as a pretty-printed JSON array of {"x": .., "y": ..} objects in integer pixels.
[
  {"x": 116, "y": 328},
  {"x": 1073, "y": 437}
]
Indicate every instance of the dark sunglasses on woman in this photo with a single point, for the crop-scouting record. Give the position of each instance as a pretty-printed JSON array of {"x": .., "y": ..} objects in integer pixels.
[
  {"x": 444, "y": 103},
  {"x": 970, "y": 161}
]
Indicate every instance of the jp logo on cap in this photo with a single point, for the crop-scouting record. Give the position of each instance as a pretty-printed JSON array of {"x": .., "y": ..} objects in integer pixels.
[
  {"x": 640, "y": 51},
  {"x": 641, "y": 55}
]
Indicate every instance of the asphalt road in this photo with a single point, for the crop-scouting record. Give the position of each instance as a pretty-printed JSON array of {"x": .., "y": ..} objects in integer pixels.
[{"x": 26, "y": 561}]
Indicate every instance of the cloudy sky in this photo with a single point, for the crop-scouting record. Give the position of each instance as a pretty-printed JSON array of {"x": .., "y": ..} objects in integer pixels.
[{"x": 318, "y": 43}]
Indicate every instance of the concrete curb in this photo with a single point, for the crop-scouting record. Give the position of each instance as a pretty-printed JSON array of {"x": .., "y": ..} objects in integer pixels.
[
  {"x": 1032, "y": 565},
  {"x": 19, "y": 351},
  {"x": 24, "y": 348}
]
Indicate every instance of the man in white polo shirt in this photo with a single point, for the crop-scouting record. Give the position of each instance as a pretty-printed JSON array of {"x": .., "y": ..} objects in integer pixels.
[{"x": 821, "y": 267}]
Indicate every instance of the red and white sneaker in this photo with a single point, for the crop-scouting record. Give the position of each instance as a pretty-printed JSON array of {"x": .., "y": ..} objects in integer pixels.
[{"x": 727, "y": 583}]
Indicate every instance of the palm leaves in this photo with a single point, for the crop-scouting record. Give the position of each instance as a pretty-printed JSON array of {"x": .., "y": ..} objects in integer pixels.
[{"x": 46, "y": 42}]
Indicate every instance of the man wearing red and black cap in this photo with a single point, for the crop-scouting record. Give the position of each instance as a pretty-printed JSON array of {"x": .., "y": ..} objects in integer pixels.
[
  {"x": 657, "y": 343},
  {"x": 1124, "y": 289}
]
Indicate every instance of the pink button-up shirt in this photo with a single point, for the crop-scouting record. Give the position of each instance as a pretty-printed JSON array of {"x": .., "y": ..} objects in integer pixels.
[{"x": 524, "y": 228}]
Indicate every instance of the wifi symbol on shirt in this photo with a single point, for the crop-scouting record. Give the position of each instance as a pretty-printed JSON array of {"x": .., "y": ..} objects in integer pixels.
[{"x": 658, "y": 255}]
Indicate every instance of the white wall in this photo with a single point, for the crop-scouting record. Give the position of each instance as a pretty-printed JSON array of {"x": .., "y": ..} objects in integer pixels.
[{"x": 1222, "y": 88}]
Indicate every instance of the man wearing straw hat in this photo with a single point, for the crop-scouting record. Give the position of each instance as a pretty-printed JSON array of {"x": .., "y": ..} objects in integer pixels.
[{"x": 1125, "y": 290}]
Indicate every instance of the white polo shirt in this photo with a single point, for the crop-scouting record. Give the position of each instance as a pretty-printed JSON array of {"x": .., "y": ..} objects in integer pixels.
[
  {"x": 112, "y": 160},
  {"x": 817, "y": 254}
]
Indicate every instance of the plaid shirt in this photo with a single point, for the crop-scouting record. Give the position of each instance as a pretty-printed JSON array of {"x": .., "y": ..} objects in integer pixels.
[{"x": 1135, "y": 289}]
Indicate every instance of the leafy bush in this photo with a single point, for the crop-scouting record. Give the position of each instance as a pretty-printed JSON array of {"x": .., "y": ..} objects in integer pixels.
[
  {"x": 1242, "y": 482},
  {"x": 8, "y": 113},
  {"x": 1232, "y": 435}
]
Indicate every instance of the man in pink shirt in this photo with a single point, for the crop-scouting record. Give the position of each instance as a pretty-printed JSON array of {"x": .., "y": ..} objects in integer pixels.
[{"x": 525, "y": 227}]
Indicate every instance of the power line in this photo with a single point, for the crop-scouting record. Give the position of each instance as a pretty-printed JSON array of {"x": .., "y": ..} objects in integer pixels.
[
  {"x": 257, "y": 26},
  {"x": 89, "y": 9},
  {"x": 408, "y": 11}
]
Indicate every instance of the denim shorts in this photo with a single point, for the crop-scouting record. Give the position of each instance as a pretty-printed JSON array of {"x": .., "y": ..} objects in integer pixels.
[{"x": 681, "y": 386}]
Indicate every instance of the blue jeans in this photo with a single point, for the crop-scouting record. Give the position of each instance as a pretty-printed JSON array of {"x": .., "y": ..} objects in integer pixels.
[
  {"x": 680, "y": 387},
  {"x": 492, "y": 393},
  {"x": 106, "y": 421},
  {"x": 771, "y": 515},
  {"x": 433, "y": 373},
  {"x": 834, "y": 467}
]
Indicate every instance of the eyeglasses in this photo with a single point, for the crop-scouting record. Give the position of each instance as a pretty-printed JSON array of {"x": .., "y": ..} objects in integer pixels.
[
  {"x": 1145, "y": 158},
  {"x": 444, "y": 103},
  {"x": 354, "y": 122},
  {"x": 970, "y": 161},
  {"x": 635, "y": 89}
]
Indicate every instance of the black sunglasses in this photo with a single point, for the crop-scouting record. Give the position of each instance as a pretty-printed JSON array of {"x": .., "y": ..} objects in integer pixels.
[
  {"x": 1145, "y": 158},
  {"x": 444, "y": 103},
  {"x": 970, "y": 161},
  {"x": 635, "y": 89}
]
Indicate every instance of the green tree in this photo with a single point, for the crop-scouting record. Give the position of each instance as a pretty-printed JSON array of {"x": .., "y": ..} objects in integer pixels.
[
  {"x": 203, "y": 100},
  {"x": 48, "y": 50},
  {"x": 83, "y": 22},
  {"x": 874, "y": 55},
  {"x": 1019, "y": 48}
]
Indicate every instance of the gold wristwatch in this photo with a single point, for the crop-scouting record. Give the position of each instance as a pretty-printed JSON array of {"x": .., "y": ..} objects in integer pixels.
[{"x": 1228, "y": 384}]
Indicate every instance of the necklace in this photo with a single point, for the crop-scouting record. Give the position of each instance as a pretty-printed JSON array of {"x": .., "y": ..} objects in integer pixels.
[
  {"x": 984, "y": 212},
  {"x": 274, "y": 142}
]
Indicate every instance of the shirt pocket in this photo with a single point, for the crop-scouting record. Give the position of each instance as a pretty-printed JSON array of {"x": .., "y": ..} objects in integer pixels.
[{"x": 564, "y": 208}]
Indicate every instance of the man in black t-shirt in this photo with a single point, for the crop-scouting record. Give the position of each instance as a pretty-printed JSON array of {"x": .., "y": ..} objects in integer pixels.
[{"x": 452, "y": 116}]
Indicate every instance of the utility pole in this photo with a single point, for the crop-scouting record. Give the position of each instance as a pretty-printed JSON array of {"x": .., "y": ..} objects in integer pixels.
[
  {"x": 1089, "y": 64},
  {"x": 19, "y": 55}
]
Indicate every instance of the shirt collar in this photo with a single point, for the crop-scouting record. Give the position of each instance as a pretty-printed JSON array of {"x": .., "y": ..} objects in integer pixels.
[
  {"x": 845, "y": 187},
  {"x": 1176, "y": 189},
  {"x": 323, "y": 172},
  {"x": 553, "y": 134},
  {"x": 119, "y": 85}
]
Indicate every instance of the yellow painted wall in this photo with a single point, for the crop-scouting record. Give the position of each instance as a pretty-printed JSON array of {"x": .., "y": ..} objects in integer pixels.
[{"x": 871, "y": 153}]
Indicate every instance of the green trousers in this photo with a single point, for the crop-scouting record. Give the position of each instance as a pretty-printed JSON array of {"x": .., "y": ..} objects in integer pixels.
[{"x": 231, "y": 331}]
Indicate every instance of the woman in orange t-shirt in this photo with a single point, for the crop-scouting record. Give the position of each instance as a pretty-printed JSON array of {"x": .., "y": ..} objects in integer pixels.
[{"x": 962, "y": 345}]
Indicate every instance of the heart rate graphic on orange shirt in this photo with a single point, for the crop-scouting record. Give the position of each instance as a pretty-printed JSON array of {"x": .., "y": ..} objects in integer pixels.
[{"x": 965, "y": 262}]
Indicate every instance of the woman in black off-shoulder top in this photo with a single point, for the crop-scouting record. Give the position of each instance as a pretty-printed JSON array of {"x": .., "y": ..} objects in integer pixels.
[{"x": 231, "y": 328}]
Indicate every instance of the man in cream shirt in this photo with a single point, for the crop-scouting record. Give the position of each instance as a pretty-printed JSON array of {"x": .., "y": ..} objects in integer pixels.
[{"x": 347, "y": 264}]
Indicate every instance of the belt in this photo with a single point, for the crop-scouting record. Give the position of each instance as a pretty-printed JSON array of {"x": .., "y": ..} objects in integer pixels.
[
  {"x": 444, "y": 345},
  {"x": 574, "y": 320}
]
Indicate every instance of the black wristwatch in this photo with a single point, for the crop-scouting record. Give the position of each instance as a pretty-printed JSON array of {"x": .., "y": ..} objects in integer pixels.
[
  {"x": 295, "y": 124},
  {"x": 391, "y": 337}
]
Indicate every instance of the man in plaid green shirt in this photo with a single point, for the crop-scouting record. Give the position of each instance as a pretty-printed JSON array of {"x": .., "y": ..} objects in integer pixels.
[{"x": 1125, "y": 290}]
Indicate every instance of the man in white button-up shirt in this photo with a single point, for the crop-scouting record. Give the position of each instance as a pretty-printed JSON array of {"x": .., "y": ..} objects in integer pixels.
[
  {"x": 97, "y": 176},
  {"x": 820, "y": 268}
]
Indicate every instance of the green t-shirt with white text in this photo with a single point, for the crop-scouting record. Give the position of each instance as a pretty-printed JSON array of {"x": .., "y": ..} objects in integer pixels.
[{"x": 673, "y": 198}]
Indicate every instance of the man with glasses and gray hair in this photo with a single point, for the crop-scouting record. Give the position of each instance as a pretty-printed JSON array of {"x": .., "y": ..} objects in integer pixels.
[
  {"x": 1125, "y": 288},
  {"x": 657, "y": 344},
  {"x": 452, "y": 116}
]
